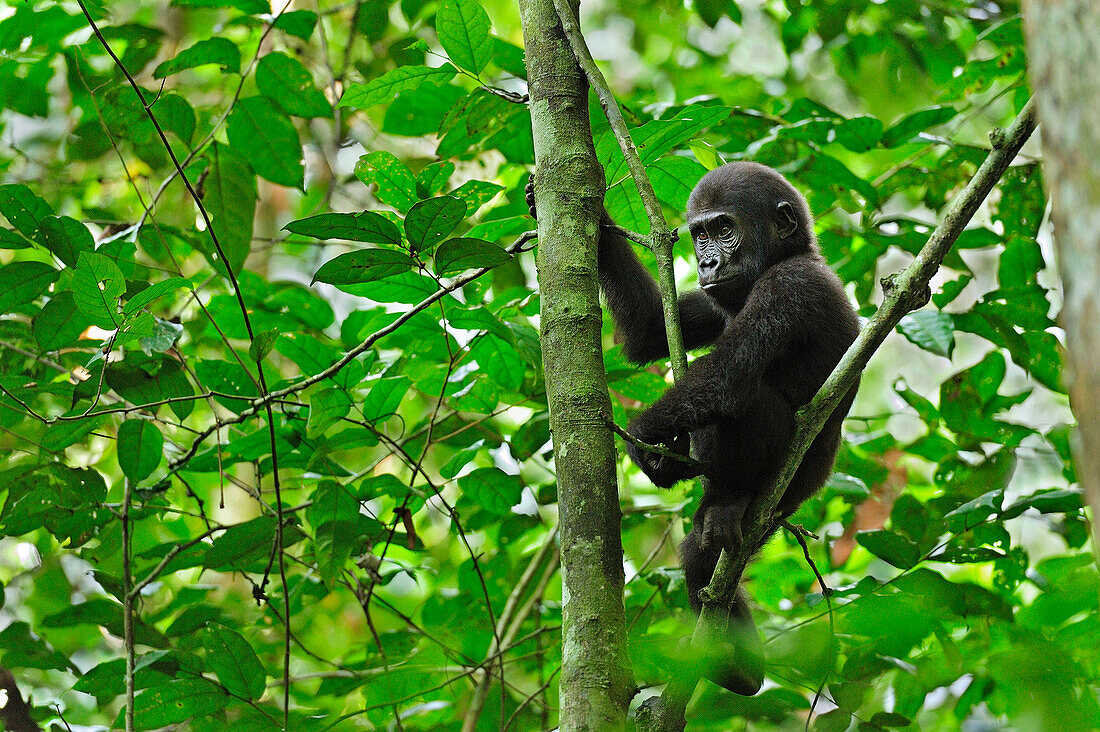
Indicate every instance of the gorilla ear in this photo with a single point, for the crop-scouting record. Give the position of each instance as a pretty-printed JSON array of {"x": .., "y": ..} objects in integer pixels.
[{"x": 786, "y": 223}]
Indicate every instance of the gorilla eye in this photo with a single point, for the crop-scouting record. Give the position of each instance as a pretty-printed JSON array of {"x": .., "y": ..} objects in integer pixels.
[
  {"x": 701, "y": 236},
  {"x": 726, "y": 231}
]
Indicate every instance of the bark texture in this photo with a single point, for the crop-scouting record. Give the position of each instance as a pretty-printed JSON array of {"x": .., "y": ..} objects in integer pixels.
[
  {"x": 1063, "y": 56},
  {"x": 596, "y": 681}
]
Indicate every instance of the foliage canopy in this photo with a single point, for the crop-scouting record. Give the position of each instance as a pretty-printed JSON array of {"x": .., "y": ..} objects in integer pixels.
[{"x": 320, "y": 397}]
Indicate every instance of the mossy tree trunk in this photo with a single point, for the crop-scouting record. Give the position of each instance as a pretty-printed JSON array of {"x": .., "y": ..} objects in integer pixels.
[
  {"x": 596, "y": 682},
  {"x": 1063, "y": 55}
]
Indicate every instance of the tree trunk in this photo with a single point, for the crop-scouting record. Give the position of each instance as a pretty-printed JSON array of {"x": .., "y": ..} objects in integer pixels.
[
  {"x": 596, "y": 681},
  {"x": 1063, "y": 54}
]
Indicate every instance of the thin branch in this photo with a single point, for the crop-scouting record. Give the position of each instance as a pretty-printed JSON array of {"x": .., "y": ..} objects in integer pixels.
[
  {"x": 660, "y": 239},
  {"x": 799, "y": 534},
  {"x": 477, "y": 702},
  {"x": 903, "y": 292},
  {"x": 656, "y": 449},
  {"x": 128, "y": 597},
  {"x": 262, "y": 383},
  {"x": 365, "y": 345}
]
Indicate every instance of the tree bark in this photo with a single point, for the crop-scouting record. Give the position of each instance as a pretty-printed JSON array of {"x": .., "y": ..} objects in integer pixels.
[
  {"x": 596, "y": 681},
  {"x": 1063, "y": 53}
]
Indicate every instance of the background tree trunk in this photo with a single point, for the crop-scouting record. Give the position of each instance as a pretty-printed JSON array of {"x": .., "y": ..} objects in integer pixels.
[
  {"x": 596, "y": 681},
  {"x": 1063, "y": 54}
]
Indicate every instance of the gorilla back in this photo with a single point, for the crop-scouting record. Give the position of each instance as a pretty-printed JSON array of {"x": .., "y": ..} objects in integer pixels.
[{"x": 778, "y": 321}]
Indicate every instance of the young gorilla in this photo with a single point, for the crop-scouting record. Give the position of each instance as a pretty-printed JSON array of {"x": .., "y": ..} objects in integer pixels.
[{"x": 779, "y": 321}]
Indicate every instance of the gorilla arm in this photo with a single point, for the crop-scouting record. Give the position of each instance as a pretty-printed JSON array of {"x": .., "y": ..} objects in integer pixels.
[
  {"x": 635, "y": 303},
  {"x": 720, "y": 384}
]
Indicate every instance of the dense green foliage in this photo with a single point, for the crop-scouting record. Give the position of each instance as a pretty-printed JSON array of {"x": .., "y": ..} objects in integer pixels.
[{"x": 227, "y": 431}]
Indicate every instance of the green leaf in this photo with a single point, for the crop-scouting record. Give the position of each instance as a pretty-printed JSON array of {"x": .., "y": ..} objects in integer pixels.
[
  {"x": 233, "y": 661},
  {"x": 175, "y": 115},
  {"x": 153, "y": 292},
  {"x": 931, "y": 330},
  {"x": 290, "y": 85},
  {"x": 890, "y": 719},
  {"x": 395, "y": 184},
  {"x": 97, "y": 285},
  {"x": 65, "y": 237},
  {"x": 384, "y": 397},
  {"x": 386, "y": 87},
  {"x": 210, "y": 51},
  {"x": 492, "y": 489},
  {"x": 974, "y": 512},
  {"x": 463, "y": 29},
  {"x": 23, "y": 209},
  {"x": 334, "y": 513},
  {"x": 362, "y": 265},
  {"x": 476, "y": 193},
  {"x": 706, "y": 154},
  {"x": 673, "y": 178},
  {"x": 891, "y": 547},
  {"x": 433, "y": 178},
  {"x": 847, "y": 486},
  {"x": 365, "y": 226},
  {"x": 263, "y": 344},
  {"x": 298, "y": 23},
  {"x": 240, "y": 543},
  {"x": 267, "y": 138},
  {"x": 456, "y": 255},
  {"x": 140, "y": 448},
  {"x": 430, "y": 221},
  {"x": 907, "y": 127},
  {"x": 176, "y": 702},
  {"x": 164, "y": 334},
  {"x": 56, "y": 324},
  {"x": 326, "y": 408},
  {"x": 230, "y": 199},
  {"x": 22, "y": 282},
  {"x": 859, "y": 134},
  {"x": 1051, "y": 500}
]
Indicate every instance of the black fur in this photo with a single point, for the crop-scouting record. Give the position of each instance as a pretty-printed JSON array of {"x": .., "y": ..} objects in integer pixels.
[{"x": 779, "y": 321}]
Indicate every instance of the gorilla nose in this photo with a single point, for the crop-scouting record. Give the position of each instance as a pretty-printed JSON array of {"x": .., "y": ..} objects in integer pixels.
[{"x": 708, "y": 264}]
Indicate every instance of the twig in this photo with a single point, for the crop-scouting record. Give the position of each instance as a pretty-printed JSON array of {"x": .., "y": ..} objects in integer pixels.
[
  {"x": 262, "y": 382},
  {"x": 660, "y": 238},
  {"x": 656, "y": 449},
  {"x": 365, "y": 345},
  {"x": 904, "y": 292},
  {"x": 481, "y": 693},
  {"x": 799, "y": 534}
]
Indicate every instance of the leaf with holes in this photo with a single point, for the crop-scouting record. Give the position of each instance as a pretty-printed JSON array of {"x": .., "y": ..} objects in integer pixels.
[
  {"x": 97, "y": 285},
  {"x": 395, "y": 184},
  {"x": 22, "y": 208}
]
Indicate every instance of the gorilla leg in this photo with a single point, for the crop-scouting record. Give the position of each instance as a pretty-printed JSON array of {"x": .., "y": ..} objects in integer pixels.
[{"x": 732, "y": 655}]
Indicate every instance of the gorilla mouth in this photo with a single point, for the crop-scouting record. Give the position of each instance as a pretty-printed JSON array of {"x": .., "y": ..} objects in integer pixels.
[{"x": 718, "y": 283}]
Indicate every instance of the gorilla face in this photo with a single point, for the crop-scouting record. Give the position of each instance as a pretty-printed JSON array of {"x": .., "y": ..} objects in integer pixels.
[{"x": 742, "y": 220}]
